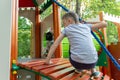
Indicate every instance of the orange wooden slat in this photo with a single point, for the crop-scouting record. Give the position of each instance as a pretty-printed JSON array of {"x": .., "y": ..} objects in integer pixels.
[
  {"x": 71, "y": 76},
  {"x": 32, "y": 62},
  {"x": 106, "y": 77},
  {"x": 41, "y": 63},
  {"x": 38, "y": 68},
  {"x": 38, "y": 60},
  {"x": 59, "y": 74},
  {"x": 85, "y": 76},
  {"x": 54, "y": 69},
  {"x": 34, "y": 65}
]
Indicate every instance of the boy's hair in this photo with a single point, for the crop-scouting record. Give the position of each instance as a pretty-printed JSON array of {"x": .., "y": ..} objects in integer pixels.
[{"x": 72, "y": 15}]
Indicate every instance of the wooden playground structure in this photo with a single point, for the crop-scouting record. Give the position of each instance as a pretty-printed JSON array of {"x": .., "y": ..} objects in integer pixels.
[{"x": 61, "y": 69}]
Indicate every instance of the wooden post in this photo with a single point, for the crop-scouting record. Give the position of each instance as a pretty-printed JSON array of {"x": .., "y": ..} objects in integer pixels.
[
  {"x": 37, "y": 38},
  {"x": 104, "y": 69},
  {"x": 56, "y": 29},
  {"x": 14, "y": 36},
  {"x": 37, "y": 35},
  {"x": 118, "y": 28}
]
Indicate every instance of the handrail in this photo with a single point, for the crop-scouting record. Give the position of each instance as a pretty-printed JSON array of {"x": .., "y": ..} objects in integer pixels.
[{"x": 101, "y": 44}]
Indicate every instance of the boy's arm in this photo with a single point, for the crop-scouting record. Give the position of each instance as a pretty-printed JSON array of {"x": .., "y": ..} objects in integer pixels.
[
  {"x": 99, "y": 25},
  {"x": 53, "y": 48}
]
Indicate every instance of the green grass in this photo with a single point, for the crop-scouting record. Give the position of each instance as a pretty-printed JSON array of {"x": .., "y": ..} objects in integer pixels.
[{"x": 65, "y": 48}]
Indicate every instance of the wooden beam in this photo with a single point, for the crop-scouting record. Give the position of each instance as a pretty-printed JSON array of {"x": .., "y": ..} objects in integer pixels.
[
  {"x": 118, "y": 29},
  {"x": 56, "y": 29},
  {"x": 37, "y": 38},
  {"x": 37, "y": 34},
  {"x": 14, "y": 37},
  {"x": 104, "y": 69}
]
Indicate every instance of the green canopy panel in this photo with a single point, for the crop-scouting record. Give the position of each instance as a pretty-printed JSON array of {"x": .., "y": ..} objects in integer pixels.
[{"x": 102, "y": 61}]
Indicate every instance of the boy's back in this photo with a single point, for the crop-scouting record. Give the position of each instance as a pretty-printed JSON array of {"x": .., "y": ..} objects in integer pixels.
[{"x": 81, "y": 46}]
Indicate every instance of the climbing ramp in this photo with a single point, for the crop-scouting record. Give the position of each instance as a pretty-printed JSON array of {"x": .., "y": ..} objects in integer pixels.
[{"x": 60, "y": 69}]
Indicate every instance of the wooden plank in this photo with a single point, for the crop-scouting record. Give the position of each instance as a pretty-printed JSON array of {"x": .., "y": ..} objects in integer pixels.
[
  {"x": 39, "y": 64},
  {"x": 71, "y": 76},
  {"x": 106, "y": 77},
  {"x": 38, "y": 68},
  {"x": 38, "y": 61},
  {"x": 85, "y": 76},
  {"x": 34, "y": 65},
  {"x": 55, "y": 68},
  {"x": 59, "y": 74},
  {"x": 29, "y": 63}
]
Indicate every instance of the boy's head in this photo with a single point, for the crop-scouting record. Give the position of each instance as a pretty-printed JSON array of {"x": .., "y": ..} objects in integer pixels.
[{"x": 70, "y": 18}]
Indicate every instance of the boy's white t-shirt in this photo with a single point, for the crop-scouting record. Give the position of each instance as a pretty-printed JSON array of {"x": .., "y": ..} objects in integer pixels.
[{"x": 81, "y": 45}]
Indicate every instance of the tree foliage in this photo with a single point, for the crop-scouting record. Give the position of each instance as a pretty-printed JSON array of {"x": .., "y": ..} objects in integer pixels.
[
  {"x": 24, "y": 37},
  {"x": 93, "y": 7}
]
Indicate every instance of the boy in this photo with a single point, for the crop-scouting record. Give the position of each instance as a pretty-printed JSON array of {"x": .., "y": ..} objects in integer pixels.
[{"x": 83, "y": 55}]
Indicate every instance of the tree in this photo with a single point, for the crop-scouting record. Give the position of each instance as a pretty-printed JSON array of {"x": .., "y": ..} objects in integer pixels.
[
  {"x": 78, "y": 6},
  {"x": 24, "y": 37},
  {"x": 93, "y": 7}
]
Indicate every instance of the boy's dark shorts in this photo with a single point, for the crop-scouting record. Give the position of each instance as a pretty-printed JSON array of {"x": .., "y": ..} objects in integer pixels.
[{"x": 82, "y": 66}]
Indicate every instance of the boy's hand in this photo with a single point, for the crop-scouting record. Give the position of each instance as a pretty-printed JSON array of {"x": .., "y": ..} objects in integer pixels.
[{"x": 48, "y": 61}]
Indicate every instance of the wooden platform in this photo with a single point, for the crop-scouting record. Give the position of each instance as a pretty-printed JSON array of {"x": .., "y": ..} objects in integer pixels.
[{"x": 61, "y": 69}]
